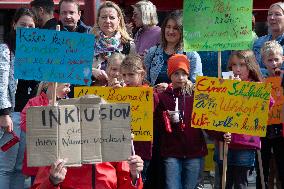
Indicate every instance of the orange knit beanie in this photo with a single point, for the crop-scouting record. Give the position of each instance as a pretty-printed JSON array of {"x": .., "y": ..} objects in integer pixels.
[{"x": 178, "y": 61}]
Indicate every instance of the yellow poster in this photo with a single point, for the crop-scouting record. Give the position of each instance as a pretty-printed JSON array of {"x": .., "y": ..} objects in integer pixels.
[
  {"x": 141, "y": 100},
  {"x": 275, "y": 114},
  {"x": 231, "y": 106}
]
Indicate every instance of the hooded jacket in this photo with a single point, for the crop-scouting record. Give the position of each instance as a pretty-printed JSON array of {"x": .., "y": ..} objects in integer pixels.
[{"x": 186, "y": 143}]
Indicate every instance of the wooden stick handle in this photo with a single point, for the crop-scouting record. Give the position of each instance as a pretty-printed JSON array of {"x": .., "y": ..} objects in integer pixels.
[
  {"x": 224, "y": 165},
  {"x": 55, "y": 83},
  {"x": 260, "y": 169},
  {"x": 219, "y": 65}
]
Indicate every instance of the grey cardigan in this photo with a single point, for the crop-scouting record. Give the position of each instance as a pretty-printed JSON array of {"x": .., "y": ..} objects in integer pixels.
[{"x": 8, "y": 84}]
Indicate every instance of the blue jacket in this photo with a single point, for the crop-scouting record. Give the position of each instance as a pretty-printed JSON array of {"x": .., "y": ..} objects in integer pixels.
[
  {"x": 154, "y": 62},
  {"x": 8, "y": 84}
]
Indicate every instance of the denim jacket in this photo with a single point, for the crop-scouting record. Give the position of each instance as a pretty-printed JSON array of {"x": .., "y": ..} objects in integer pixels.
[
  {"x": 154, "y": 62},
  {"x": 8, "y": 84}
]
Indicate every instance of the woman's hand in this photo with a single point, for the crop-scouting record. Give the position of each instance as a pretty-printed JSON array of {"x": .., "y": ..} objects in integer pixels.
[
  {"x": 136, "y": 166},
  {"x": 6, "y": 122},
  {"x": 161, "y": 87},
  {"x": 227, "y": 138},
  {"x": 129, "y": 27},
  {"x": 58, "y": 171},
  {"x": 99, "y": 74}
]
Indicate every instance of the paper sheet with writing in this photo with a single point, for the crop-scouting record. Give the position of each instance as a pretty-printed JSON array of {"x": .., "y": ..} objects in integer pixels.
[
  {"x": 275, "y": 115},
  {"x": 216, "y": 25},
  {"x": 231, "y": 106},
  {"x": 140, "y": 99},
  {"x": 87, "y": 132},
  {"x": 55, "y": 56}
]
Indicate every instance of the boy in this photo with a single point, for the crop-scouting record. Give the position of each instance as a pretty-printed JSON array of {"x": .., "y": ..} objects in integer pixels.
[{"x": 272, "y": 56}]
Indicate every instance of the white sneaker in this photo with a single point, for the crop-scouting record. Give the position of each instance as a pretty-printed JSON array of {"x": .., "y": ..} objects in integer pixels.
[{"x": 252, "y": 178}]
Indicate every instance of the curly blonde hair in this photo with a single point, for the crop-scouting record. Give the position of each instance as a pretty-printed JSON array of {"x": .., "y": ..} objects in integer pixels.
[{"x": 271, "y": 47}]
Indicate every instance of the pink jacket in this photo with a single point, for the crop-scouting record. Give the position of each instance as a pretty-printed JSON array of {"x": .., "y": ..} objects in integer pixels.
[{"x": 240, "y": 141}]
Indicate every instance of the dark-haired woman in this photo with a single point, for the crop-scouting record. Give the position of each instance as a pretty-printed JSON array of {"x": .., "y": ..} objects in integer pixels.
[{"x": 11, "y": 160}]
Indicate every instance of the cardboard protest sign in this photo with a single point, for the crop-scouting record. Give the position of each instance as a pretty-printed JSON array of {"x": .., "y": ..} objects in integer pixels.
[
  {"x": 87, "y": 132},
  {"x": 140, "y": 99},
  {"x": 231, "y": 106},
  {"x": 55, "y": 56},
  {"x": 275, "y": 115},
  {"x": 217, "y": 25}
]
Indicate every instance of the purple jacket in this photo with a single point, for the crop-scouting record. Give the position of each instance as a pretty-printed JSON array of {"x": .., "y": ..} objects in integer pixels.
[
  {"x": 147, "y": 38},
  {"x": 186, "y": 143}
]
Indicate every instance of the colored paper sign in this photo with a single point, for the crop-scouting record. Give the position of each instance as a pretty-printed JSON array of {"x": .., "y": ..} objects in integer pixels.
[
  {"x": 55, "y": 56},
  {"x": 87, "y": 131},
  {"x": 275, "y": 115},
  {"x": 231, "y": 106},
  {"x": 140, "y": 99},
  {"x": 215, "y": 25}
]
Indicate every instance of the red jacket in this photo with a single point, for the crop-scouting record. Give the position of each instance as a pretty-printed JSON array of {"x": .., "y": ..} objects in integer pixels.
[
  {"x": 186, "y": 143},
  {"x": 40, "y": 100},
  {"x": 108, "y": 175}
]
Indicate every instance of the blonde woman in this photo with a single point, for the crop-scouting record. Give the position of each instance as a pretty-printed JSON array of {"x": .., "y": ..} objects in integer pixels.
[{"x": 111, "y": 36}]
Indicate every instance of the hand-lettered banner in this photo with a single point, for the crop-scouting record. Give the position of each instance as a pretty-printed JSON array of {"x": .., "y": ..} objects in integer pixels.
[
  {"x": 231, "y": 106},
  {"x": 275, "y": 115},
  {"x": 55, "y": 56},
  {"x": 140, "y": 99},
  {"x": 86, "y": 132},
  {"x": 215, "y": 25}
]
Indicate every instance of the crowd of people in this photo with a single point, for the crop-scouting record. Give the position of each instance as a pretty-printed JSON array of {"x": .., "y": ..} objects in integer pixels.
[{"x": 139, "y": 54}]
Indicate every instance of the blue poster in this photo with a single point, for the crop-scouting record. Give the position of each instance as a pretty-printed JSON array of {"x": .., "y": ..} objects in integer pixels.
[{"x": 54, "y": 56}]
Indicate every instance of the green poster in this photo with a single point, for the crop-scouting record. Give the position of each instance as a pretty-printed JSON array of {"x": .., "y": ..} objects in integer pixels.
[{"x": 216, "y": 25}]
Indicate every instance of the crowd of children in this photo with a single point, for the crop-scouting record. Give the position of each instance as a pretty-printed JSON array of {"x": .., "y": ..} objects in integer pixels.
[{"x": 175, "y": 157}]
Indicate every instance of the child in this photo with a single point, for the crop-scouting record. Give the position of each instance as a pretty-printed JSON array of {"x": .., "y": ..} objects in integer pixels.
[
  {"x": 43, "y": 98},
  {"x": 133, "y": 74},
  {"x": 241, "y": 153},
  {"x": 113, "y": 70},
  {"x": 181, "y": 146},
  {"x": 113, "y": 175},
  {"x": 272, "y": 56}
]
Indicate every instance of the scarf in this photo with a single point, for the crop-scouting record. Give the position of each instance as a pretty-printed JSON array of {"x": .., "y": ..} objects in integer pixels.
[{"x": 107, "y": 45}]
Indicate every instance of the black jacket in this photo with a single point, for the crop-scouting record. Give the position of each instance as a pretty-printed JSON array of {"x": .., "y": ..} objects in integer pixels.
[
  {"x": 51, "y": 24},
  {"x": 26, "y": 89},
  {"x": 81, "y": 27}
]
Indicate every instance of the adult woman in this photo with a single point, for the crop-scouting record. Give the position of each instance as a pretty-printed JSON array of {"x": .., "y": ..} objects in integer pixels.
[
  {"x": 11, "y": 160},
  {"x": 156, "y": 65},
  {"x": 111, "y": 36},
  {"x": 275, "y": 22},
  {"x": 145, "y": 18},
  {"x": 172, "y": 43}
]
